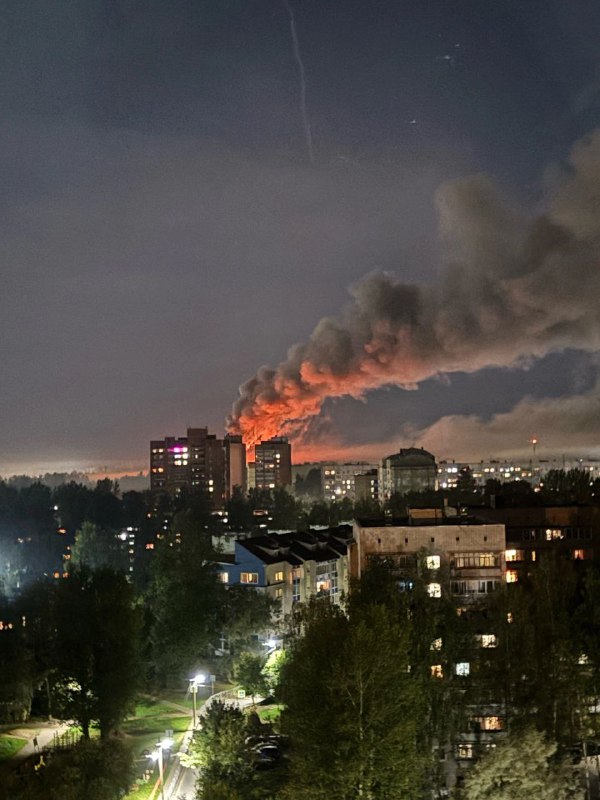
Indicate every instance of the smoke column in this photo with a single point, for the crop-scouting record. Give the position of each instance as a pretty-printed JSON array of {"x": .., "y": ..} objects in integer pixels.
[
  {"x": 302, "y": 79},
  {"x": 513, "y": 287}
]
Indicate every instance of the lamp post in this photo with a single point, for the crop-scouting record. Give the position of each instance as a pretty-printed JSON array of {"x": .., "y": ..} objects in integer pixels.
[
  {"x": 200, "y": 680},
  {"x": 158, "y": 756},
  {"x": 195, "y": 682}
]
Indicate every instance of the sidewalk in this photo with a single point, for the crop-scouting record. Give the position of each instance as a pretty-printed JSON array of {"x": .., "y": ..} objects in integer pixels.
[{"x": 39, "y": 735}]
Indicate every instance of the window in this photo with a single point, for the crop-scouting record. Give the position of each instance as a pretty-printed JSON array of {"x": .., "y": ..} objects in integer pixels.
[
  {"x": 486, "y": 640},
  {"x": 432, "y": 562},
  {"x": 278, "y": 592},
  {"x": 436, "y": 644},
  {"x": 278, "y": 577},
  {"x": 437, "y": 671},
  {"x": 224, "y": 577},
  {"x": 511, "y": 576},
  {"x": 514, "y": 555},
  {"x": 578, "y": 555},
  {"x": 249, "y": 577},
  {"x": 464, "y": 750},
  {"x": 434, "y": 589},
  {"x": 470, "y": 560},
  {"x": 473, "y": 587},
  {"x": 489, "y": 723},
  {"x": 463, "y": 668}
]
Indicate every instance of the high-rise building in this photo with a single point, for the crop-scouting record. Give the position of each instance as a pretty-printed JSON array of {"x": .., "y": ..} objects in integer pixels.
[
  {"x": 273, "y": 463},
  {"x": 235, "y": 463},
  {"x": 198, "y": 461}
]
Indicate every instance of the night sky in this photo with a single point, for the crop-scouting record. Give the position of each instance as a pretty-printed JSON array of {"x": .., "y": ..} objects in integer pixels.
[{"x": 167, "y": 228}]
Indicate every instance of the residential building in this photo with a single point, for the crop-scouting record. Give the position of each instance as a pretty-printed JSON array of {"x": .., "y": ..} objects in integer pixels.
[
  {"x": 197, "y": 461},
  {"x": 366, "y": 486},
  {"x": 531, "y": 533},
  {"x": 291, "y": 567},
  {"x": 471, "y": 551},
  {"x": 339, "y": 480},
  {"x": 235, "y": 463},
  {"x": 461, "y": 556},
  {"x": 412, "y": 469},
  {"x": 273, "y": 463}
]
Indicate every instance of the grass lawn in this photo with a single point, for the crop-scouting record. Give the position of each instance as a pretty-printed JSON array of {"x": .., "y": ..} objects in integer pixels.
[
  {"x": 9, "y": 745},
  {"x": 155, "y": 707},
  {"x": 269, "y": 713}
]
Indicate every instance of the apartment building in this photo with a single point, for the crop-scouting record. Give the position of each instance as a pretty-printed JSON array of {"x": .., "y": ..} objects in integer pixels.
[{"x": 291, "y": 567}]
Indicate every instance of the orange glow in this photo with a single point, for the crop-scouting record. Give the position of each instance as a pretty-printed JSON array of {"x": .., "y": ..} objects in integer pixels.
[{"x": 288, "y": 402}]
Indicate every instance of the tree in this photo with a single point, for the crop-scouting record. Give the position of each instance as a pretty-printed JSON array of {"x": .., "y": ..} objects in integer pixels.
[
  {"x": 523, "y": 765},
  {"x": 184, "y": 600},
  {"x": 244, "y": 612},
  {"x": 539, "y": 650},
  {"x": 96, "y": 548},
  {"x": 102, "y": 770},
  {"x": 16, "y": 677},
  {"x": 249, "y": 674},
  {"x": 219, "y": 751},
  {"x": 272, "y": 672},
  {"x": 96, "y": 649},
  {"x": 239, "y": 512},
  {"x": 353, "y": 707}
]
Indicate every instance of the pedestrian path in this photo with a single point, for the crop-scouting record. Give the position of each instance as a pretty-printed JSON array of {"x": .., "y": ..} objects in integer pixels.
[{"x": 39, "y": 735}]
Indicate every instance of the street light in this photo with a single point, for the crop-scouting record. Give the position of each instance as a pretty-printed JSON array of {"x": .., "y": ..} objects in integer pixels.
[
  {"x": 200, "y": 680},
  {"x": 195, "y": 682},
  {"x": 157, "y": 755}
]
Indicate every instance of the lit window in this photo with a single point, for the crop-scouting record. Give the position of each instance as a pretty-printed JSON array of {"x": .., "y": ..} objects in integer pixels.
[
  {"x": 278, "y": 592},
  {"x": 432, "y": 562},
  {"x": 249, "y": 577},
  {"x": 436, "y": 644},
  {"x": 511, "y": 576},
  {"x": 278, "y": 576},
  {"x": 578, "y": 555},
  {"x": 489, "y": 723},
  {"x": 434, "y": 589},
  {"x": 464, "y": 750},
  {"x": 224, "y": 577},
  {"x": 486, "y": 640},
  {"x": 437, "y": 671},
  {"x": 463, "y": 668},
  {"x": 583, "y": 659}
]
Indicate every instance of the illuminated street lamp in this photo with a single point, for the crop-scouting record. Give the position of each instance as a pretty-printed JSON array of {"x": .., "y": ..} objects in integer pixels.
[
  {"x": 157, "y": 755},
  {"x": 198, "y": 680}
]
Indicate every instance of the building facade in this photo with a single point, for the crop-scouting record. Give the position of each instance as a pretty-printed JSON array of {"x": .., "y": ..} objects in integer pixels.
[
  {"x": 273, "y": 463},
  {"x": 339, "y": 480},
  {"x": 410, "y": 470}
]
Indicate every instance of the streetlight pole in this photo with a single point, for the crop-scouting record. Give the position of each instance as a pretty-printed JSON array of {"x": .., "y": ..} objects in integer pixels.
[
  {"x": 158, "y": 756},
  {"x": 194, "y": 691},
  {"x": 161, "y": 771},
  {"x": 195, "y": 682}
]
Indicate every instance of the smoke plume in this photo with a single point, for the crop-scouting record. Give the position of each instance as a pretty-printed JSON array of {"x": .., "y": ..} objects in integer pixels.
[{"x": 514, "y": 286}]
